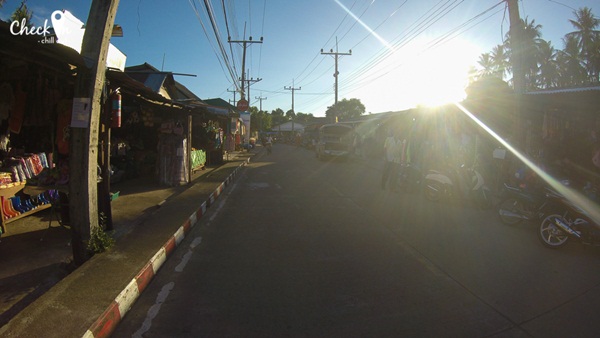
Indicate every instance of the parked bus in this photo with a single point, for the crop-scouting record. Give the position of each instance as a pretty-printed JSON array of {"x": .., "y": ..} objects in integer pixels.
[{"x": 335, "y": 141}]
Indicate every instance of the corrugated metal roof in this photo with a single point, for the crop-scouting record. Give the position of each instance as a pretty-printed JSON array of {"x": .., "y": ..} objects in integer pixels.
[{"x": 564, "y": 90}]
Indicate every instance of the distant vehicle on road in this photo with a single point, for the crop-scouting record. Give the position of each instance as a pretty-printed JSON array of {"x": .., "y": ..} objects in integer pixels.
[{"x": 335, "y": 141}]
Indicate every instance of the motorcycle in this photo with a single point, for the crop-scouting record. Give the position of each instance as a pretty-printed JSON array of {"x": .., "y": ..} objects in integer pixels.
[
  {"x": 410, "y": 177},
  {"x": 521, "y": 204},
  {"x": 462, "y": 182},
  {"x": 557, "y": 229}
]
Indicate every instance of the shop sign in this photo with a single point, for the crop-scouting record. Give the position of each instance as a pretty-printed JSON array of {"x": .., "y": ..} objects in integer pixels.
[
  {"x": 242, "y": 105},
  {"x": 69, "y": 32},
  {"x": 245, "y": 116},
  {"x": 80, "y": 116}
]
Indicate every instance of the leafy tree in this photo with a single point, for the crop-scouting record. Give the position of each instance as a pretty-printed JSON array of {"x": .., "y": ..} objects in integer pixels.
[
  {"x": 304, "y": 118},
  {"x": 278, "y": 116},
  {"x": 290, "y": 115},
  {"x": 259, "y": 120},
  {"x": 346, "y": 109}
]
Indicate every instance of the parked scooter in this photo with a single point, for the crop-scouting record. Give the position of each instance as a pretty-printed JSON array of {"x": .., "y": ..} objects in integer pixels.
[
  {"x": 557, "y": 229},
  {"x": 522, "y": 204},
  {"x": 463, "y": 182}
]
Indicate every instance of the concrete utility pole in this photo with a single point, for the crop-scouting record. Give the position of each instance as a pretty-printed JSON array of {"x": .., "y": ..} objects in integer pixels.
[
  {"x": 336, "y": 55},
  {"x": 234, "y": 92},
  {"x": 293, "y": 90},
  {"x": 244, "y": 43},
  {"x": 293, "y": 111},
  {"x": 249, "y": 82},
  {"x": 83, "y": 157},
  {"x": 260, "y": 99},
  {"x": 516, "y": 45}
]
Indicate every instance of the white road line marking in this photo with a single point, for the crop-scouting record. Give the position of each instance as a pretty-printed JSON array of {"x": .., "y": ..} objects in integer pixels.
[
  {"x": 154, "y": 310},
  {"x": 186, "y": 258}
]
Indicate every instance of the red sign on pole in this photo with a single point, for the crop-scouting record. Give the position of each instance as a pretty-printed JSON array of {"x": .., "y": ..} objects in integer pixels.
[{"x": 242, "y": 105}]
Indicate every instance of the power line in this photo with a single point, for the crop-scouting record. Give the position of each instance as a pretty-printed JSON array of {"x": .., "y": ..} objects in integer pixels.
[
  {"x": 193, "y": 4},
  {"x": 440, "y": 40}
]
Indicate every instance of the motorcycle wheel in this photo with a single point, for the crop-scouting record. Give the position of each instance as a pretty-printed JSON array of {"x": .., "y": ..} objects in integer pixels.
[
  {"x": 433, "y": 191},
  {"x": 512, "y": 205},
  {"x": 550, "y": 234}
]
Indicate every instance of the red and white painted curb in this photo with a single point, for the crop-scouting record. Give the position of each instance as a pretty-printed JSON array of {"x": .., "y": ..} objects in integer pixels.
[{"x": 108, "y": 321}]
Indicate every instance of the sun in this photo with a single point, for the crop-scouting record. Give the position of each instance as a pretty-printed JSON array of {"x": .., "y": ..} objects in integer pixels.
[
  {"x": 418, "y": 75},
  {"x": 435, "y": 76}
]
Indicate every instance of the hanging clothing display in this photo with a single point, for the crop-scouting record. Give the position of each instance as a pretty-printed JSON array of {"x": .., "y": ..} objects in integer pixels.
[
  {"x": 15, "y": 121},
  {"x": 172, "y": 161}
]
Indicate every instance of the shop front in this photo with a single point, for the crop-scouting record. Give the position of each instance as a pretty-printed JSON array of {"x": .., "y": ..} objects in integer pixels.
[{"x": 563, "y": 132}]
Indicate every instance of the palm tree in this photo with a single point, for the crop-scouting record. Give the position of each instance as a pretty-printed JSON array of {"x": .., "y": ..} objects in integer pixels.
[
  {"x": 22, "y": 13},
  {"x": 487, "y": 65},
  {"x": 586, "y": 36},
  {"x": 531, "y": 42},
  {"x": 595, "y": 61},
  {"x": 548, "y": 65},
  {"x": 571, "y": 67},
  {"x": 500, "y": 60},
  {"x": 530, "y": 39}
]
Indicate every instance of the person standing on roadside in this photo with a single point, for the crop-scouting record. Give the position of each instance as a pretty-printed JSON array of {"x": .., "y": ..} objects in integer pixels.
[
  {"x": 269, "y": 144},
  {"x": 391, "y": 165}
]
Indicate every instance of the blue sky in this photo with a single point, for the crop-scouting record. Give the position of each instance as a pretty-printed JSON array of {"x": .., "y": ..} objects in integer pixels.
[{"x": 397, "y": 46}]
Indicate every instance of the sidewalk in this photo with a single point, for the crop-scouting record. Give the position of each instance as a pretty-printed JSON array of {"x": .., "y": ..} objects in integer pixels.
[{"x": 149, "y": 223}]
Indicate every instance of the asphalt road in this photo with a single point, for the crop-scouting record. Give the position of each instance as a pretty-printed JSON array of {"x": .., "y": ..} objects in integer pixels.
[{"x": 303, "y": 248}]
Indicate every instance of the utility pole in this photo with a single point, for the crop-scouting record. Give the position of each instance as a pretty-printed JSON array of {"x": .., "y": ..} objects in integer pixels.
[
  {"x": 516, "y": 45},
  {"x": 293, "y": 111},
  {"x": 260, "y": 99},
  {"x": 234, "y": 92},
  {"x": 249, "y": 82},
  {"x": 244, "y": 43},
  {"x": 83, "y": 162},
  {"x": 336, "y": 56}
]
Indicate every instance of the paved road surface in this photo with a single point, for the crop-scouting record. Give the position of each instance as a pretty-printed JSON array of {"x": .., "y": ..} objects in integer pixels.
[{"x": 303, "y": 248}]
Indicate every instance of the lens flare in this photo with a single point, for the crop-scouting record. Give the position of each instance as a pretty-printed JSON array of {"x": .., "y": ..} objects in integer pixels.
[{"x": 578, "y": 199}]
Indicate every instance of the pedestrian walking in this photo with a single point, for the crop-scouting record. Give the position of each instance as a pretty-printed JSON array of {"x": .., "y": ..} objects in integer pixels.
[
  {"x": 269, "y": 144},
  {"x": 392, "y": 150}
]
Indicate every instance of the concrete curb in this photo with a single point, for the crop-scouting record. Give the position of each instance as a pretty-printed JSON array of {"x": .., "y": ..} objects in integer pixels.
[{"x": 108, "y": 321}]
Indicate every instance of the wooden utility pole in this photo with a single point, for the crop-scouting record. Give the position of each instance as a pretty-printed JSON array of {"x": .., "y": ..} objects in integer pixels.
[
  {"x": 516, "y": 45},
  {"x": 83, "y": 155}
]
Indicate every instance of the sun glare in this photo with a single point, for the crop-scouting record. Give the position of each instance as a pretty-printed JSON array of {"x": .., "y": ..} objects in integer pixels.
[
  {"x": 440, "y": 75},
  {"x": 418, "y": 75}
]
